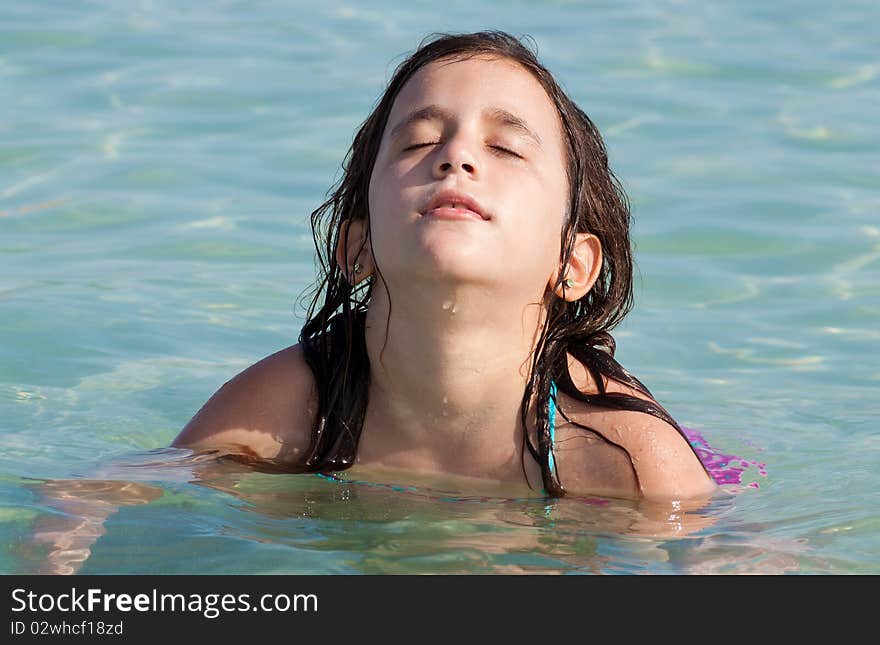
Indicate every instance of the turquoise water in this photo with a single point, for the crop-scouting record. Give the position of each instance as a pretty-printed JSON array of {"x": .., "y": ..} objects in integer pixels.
[{"x": 157, "y": 168}]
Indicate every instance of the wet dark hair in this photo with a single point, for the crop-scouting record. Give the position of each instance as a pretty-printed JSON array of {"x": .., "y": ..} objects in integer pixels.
[{"x": 333, "y": 335}]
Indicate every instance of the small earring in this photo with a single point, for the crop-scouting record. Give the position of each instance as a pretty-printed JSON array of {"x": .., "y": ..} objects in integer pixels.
[
  {"x": 568, "y": 283},
  {"x": 357, "y": 267}
]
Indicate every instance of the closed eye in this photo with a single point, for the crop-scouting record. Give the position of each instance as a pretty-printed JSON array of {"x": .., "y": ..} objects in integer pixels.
[{"x": 505, "y": 151}]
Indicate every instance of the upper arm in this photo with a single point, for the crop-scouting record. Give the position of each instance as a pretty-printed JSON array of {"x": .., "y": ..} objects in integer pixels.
[
  {"x": 666, "y": 465},
  {"x": 641, "y": 456},
  {"x": 266, "y": 411},
  {"x": 664, "y": 462}
]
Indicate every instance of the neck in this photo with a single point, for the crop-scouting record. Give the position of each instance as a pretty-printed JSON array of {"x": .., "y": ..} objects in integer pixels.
[{"x": 446, "y": 388}]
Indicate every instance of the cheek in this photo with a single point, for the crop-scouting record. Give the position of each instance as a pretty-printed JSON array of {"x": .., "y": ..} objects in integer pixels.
[
  {"x": 535, "y": 230},
  {"x": 384, "y": 199},
  {"x": 539, "y": 209},
  {"x": 385, "y": 190},
  {"x": 377, "y": 200}
]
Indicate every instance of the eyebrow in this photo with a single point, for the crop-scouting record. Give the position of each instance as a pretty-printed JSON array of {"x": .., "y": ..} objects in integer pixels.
[{"x": 497, "y": 115}]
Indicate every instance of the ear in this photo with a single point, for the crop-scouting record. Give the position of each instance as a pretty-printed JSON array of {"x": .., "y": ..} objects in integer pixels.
[
  {"x": 353, "y": 247},
  {"x": 582, "y": 270}
]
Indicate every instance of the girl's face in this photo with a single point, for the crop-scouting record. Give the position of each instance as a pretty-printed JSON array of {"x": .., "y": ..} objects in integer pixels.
[{"x": 486, "y": 128}]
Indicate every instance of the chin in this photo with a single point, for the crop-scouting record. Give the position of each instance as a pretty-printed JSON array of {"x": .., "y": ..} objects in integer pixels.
[
  {"x": 437, "y": 266},
  {"x": 452, "y": 255}
]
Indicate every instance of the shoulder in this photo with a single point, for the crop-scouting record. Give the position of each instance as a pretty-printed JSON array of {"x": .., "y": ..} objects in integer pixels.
[
  {"x": 267, "y": 411},
  {"x": 641, "y": 455}
]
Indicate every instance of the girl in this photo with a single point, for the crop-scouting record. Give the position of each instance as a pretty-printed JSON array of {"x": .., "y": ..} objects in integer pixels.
[{"x": 474, "y": 257}]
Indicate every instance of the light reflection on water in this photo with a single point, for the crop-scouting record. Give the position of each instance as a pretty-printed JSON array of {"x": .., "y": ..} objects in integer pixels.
[{"x": 148, "y": 512}]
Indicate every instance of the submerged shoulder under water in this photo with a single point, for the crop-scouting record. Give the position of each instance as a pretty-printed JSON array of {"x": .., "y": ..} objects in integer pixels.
[{"x": 725, "y": 469}]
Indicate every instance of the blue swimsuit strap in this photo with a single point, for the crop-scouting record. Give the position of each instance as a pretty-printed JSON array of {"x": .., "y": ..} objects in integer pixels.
[{"x": 551, "y": 416}]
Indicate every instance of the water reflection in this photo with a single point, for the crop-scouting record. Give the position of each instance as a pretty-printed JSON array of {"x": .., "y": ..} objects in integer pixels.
[{"x": 364, "y": 526}]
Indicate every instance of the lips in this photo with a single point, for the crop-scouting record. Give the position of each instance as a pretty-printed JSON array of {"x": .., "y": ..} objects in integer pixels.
[{"x": 451, "y": 204}]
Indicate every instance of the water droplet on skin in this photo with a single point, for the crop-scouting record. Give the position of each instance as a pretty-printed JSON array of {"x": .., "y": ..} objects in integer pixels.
[
  {"x": 454, "y": 308},
  {"x": 447, "y": 305},
  {"x": 445, "y": 400}
]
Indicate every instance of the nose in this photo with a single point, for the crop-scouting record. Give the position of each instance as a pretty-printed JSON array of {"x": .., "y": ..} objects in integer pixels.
[{"x": 455, "y": 156}]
